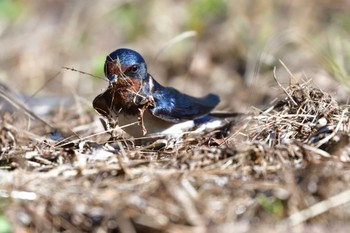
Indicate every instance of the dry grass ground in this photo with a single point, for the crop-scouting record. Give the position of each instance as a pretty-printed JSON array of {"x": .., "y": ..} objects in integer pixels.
[{"x": 284, "y": 169}]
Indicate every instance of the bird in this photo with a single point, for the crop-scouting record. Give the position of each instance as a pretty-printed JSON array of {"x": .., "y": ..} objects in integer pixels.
[{"x": 143, "y": 107}]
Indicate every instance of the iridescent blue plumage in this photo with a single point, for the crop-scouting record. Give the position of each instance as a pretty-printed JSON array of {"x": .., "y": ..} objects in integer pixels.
[
  {"x": 169, "y": 103},
  {"x": 172, "y": 105},
  {"x": 134, "y": 94},
  {"x": 126, "y": 57}
]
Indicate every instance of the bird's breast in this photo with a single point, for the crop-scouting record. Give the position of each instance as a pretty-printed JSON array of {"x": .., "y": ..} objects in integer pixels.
[{"x": 131, "y": 124}]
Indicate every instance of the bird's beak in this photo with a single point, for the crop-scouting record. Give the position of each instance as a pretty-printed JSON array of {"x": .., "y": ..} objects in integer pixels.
[{"x": 115, "y": 69}]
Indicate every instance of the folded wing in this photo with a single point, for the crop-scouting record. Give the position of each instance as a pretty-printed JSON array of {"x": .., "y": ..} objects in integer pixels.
[{"x": 174, "y": 106}]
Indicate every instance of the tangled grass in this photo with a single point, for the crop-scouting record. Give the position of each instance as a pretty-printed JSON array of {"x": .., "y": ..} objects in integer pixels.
[{"x": 285, "y": 167}]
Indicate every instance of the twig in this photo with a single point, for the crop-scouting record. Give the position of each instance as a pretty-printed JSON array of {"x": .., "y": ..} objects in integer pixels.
[
  {"x": 280, "y": 85},
  {"x": 82, "y": 72},
  {"x": 317, "y": 209},
  {"x": 326, "y": 139},
  {"x": 316, "y": 150},
  {"x": 288, "y": 71},
  {"x": 175, "y": 40}
]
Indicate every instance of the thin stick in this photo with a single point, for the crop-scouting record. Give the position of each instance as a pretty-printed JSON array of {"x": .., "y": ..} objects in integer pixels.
[
  {"x": 175, "y": 40},
  {"x": 289, "y": 72},
  {"x": 41, "y": 88},
  {"x": 318, "y": 208},
  {"x": 280, "y": 85},
  {"x": 22, "y": 107},
  {"x": 326, "y": 139},
  {"x": 90, "y": 136},
  {"x": 82, "y": 72}
]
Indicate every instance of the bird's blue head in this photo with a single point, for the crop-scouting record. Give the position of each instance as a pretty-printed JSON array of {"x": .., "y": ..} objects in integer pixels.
[{"x": 125, "y": 62}]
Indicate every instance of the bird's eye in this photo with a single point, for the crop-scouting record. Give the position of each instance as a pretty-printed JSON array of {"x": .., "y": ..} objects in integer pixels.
[{"x": 134, "y": 68}]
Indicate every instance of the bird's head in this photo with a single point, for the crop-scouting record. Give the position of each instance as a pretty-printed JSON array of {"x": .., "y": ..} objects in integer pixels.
[{"x": 124, "y": 64}]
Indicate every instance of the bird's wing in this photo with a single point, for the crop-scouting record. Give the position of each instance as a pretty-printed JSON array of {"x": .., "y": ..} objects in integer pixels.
[{"x": 174, "y": 106}]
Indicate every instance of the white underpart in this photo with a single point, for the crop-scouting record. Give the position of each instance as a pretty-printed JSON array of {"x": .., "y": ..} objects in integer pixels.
[
  {"x": 158, "y": 127},
  {"x": 211, "y": 125},
  {"x": 178, "y": 129},
  {"x": 150, "y": 82}
]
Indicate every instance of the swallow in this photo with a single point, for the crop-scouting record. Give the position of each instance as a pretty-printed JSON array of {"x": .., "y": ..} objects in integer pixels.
[{"x": 143, "y": 107}]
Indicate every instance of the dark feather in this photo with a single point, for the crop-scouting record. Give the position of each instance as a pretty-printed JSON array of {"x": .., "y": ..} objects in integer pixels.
[{"x": 174, "y": 106}]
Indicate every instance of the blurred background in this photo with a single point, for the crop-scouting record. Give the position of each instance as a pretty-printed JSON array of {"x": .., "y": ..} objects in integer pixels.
[{"x": 198, "y": 46}]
